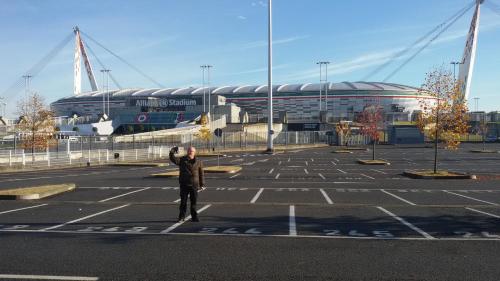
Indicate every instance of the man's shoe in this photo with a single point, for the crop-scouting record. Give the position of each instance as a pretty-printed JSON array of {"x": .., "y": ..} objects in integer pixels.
[
  {"x": 180, "y": 219},
  {"x": 195, "y": 220}
]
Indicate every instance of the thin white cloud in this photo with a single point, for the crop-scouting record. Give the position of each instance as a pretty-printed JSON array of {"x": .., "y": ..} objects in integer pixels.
[
  {"x": 242, "y": 17},
  {"x": 259, "y": 3},
  {"x": 259, "y": 70},
  {"x": 263, "y": 43}
]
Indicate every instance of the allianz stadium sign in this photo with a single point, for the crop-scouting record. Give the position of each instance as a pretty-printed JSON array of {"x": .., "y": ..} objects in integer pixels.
[{"x": 164, "y": 103}]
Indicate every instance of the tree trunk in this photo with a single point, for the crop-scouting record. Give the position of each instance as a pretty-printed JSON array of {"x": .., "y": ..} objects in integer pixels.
[{"x": 373, "y": 150}]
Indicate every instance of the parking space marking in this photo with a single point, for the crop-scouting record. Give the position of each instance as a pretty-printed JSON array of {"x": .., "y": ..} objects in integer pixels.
[
  {"x": 327, "y": 198},
  {"x": 342, "y": 171},
  {"x": 367, "y": 176},
  {"x": 306, "y": 171},
  {"x": 257, "y": 195},
  {"x": 378, "y": 171},
  {"x": 84, "y": 218},
  {"x": 47, "y": 277},
  {"x": 397, "y": 197},
  {"x": 20, "y": 209},
  {"x": 334, "y": 164},
  {"x": 291, "y": 222},
  {"x": 232, "y": 177},
  {"x": 175, "y": 225},
  {"x": 323, "y": 177},
  {"x": 483, "y": 212},
  {"x": 471, "y": 198},
  {"x": 277, "y": 176},
  {"x": 403, "y": 221},
  {"x": 271, "y": 171},
  {"x": 124, "y": 194}
]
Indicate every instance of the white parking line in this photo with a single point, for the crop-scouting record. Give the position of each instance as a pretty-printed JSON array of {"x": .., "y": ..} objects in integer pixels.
[
  {"x": 483, "y": 212},
  {"x": 271, "y": 171},
  {"x": 342, "y": 171},
  {"x": 84, "y": 218},
  {"x": 20, "y": 209},
  {"x": 46, "y": 277},
  {"x": 367, "y": 176},
  {"x": 277, "y": 176},
  {"x": 232, "y": 177},
  {"x": 292, "y": 225},
  {"x": 397, "y": 197},
  {"x": 334, "y": 164},
  {"x": 257, "y": 195},
  {"x": 403, "y": 221},
  {"x": 307, "y": 164},
  {"x": 336, "y": 159},
  {"x": 312, "y": 160},
  {"x": 306, "y": 171},
  {"x": 471, "y": 198},
  {"x": 323, "y": 177},
  {"x": 237, "y": 160},
  {"x": 175, "y": 225},
  {"x": 327, "y": 198},
  {"x": 378, "y": 171},
  {"x": 124, "y": 194}
]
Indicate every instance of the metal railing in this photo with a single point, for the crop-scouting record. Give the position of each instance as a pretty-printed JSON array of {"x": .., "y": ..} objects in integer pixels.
[{"x": 82, "y": 151}]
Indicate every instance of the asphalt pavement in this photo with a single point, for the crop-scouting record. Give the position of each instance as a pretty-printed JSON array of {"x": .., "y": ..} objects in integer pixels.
[{"x": 304, "y": 214}]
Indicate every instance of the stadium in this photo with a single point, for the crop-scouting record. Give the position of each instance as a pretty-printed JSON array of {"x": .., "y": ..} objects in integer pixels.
[{"x": 301, "y": 103}]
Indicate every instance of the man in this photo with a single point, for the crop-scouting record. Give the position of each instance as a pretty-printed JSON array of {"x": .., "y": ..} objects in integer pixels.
[{"x": 191, "y": 179}]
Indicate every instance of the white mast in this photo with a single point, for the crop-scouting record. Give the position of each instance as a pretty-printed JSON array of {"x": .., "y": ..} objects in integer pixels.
[
  {"x": 469, "y": 56},
  {"x": 80, "y": 51}
]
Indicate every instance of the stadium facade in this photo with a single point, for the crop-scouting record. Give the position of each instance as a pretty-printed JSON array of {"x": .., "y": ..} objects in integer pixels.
[{"x": 300, "y": 102}]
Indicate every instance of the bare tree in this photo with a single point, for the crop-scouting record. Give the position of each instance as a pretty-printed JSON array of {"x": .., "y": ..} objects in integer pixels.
[
  {"x": 36, "y": 123},
  {"x": 371, "y": 120}
]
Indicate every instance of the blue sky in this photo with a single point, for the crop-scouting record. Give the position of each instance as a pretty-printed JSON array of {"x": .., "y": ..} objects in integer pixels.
[{"x": 170, "y": 39}]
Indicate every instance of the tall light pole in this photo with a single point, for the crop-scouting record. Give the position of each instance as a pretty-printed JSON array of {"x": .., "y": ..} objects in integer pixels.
[
  {"x": 206, "y": 67},
  {"x": 320, "y": 85},
  {"x": 27, "y": 86},
  {"x": 455, "y": 63},
  {"x": 476, "y": 102},
  {"x": 105, "y": 89},
  {"x": 270, "y": 131},
  {"x": 322, "y": 81},
  {"x": 203, "y": 84},
  {"x": 209, "y": 92}
]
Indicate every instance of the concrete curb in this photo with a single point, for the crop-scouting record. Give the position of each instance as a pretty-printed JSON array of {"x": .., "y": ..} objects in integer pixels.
[
  {"x": 484, "y": 151},
  {"x": 373, "y": 162},
  {"x": 139, "y": 165},
  {"x": 208, "y": 170},
  {"x": 35, "y": 192},
  {"x": 456, "y": 176}
]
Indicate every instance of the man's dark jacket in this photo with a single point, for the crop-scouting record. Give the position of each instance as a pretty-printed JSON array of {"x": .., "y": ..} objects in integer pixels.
[{"x": 190, "y": 171}]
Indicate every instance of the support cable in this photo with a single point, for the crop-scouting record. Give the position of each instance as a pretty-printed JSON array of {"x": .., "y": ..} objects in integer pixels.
[
  {"x": 37, "y": 68},
  {"x": 103, "y": 67},
  {"x": 123, "y": 60},
  {"x": 425, "y": 46},
  {"x": 416, "y": 43}
]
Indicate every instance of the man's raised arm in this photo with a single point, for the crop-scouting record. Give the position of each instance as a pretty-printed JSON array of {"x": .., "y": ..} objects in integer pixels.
[{"x": 175, "y": 160}]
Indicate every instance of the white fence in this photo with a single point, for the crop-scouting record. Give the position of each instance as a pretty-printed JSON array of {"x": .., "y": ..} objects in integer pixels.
[
  {"x": 21, "y": 159},
  {"x": 103, "y": 150}
]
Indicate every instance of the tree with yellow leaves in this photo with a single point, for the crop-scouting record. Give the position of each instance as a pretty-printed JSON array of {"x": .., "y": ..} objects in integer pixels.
[
  {"x": 36, "y": 123},
  {"x": 443, "y": 118},
  {"x": 343, "y": 130}
]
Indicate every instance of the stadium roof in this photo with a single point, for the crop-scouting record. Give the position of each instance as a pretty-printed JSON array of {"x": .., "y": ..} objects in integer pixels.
[{"x": 250, "y": 89}]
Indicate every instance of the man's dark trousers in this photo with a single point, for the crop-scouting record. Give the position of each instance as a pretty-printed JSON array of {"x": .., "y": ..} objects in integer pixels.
[{"x": 193, "y": 196}]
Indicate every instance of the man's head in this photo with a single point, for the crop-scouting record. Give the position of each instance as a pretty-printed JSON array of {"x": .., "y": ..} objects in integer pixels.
[{"x": 191, "y": 152}]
